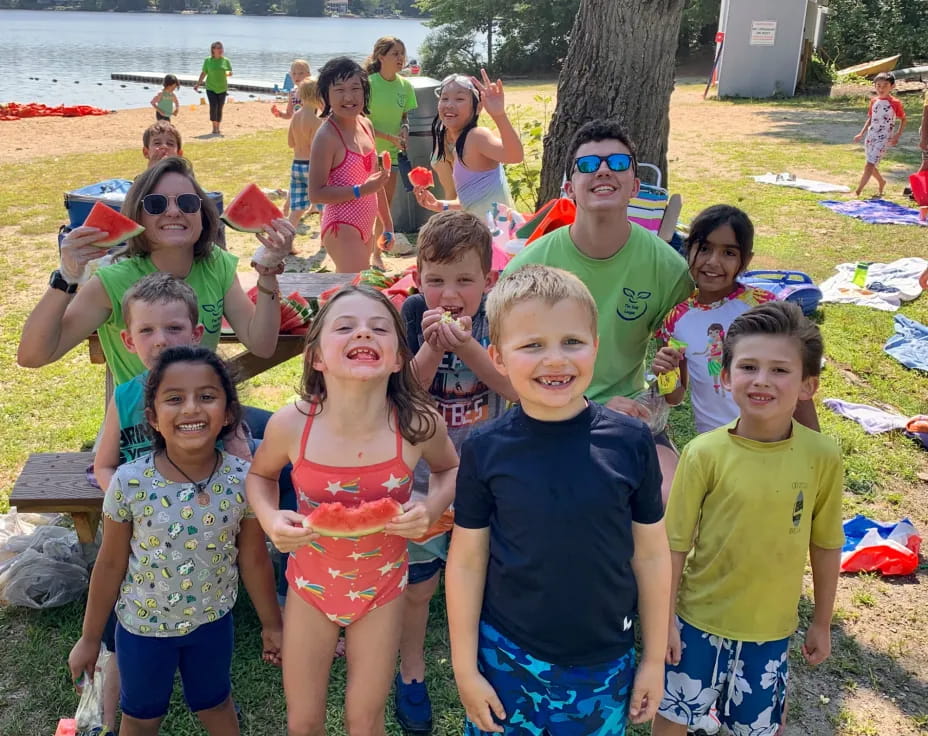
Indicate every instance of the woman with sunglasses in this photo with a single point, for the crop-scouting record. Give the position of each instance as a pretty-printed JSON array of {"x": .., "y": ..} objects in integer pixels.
[
  {"x": 180, "y": 225},
  {"x": 476, "y": 154}
]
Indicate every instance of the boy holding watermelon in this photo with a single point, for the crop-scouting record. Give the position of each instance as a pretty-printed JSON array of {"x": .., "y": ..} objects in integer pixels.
[
  {"x": 559, "y": 539},
  {"x": 448, "y": 332}
]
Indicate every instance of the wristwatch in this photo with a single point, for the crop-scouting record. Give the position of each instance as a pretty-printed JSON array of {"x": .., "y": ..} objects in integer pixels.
[{"x": 57, "y": 281}]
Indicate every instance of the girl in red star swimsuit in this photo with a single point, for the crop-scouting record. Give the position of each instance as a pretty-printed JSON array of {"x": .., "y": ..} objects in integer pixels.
[{"x": 361, "y": 425}]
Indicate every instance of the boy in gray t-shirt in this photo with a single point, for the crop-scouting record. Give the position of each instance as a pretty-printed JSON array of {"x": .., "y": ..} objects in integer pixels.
[{"x": 448, "y": 332}]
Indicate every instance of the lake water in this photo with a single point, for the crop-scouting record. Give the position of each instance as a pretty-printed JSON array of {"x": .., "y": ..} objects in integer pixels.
[{"x": 80, "y": 50}]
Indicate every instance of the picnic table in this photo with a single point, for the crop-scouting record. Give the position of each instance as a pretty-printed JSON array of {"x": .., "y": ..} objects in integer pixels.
[{"x": 57, "y": 481}]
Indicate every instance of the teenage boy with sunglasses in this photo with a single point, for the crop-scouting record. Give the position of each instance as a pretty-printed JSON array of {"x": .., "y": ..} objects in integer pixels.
[{"x": 634, "y": 276}]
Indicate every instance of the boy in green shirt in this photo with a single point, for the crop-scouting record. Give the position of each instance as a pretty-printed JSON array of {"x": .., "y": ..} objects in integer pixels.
[{"x": 749, "y": 500}]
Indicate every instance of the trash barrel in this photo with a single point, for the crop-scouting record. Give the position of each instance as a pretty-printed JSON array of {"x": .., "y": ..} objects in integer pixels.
[{"x": 408, "y": 216}]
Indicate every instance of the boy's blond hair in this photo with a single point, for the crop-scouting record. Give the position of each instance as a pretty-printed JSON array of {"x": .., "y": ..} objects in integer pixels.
[
  {"x": 551, "y": 285},
  {"x": 309, "y": 94},
  {"x": 448, "y": 235},
  {"x": 299, "y": 65},
  {"x": 160, "y": 288},
  {"x": 161, "y": 126}
]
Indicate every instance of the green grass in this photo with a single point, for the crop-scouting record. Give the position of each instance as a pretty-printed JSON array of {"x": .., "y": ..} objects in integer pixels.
[{"x": 60, "y": 407}]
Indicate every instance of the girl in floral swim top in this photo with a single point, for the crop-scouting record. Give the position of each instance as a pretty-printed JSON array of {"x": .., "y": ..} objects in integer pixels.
[{"x": 361, "y": 425}]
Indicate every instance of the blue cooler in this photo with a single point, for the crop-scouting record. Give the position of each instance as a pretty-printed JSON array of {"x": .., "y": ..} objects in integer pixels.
[
  {"x": 111, "y": 192},
  {"x": 788, "y": 286}
]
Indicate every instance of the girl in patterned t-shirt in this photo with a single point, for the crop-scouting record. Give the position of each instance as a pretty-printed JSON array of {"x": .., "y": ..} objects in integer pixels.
[
  {"x": 719, "y": 248},
  {"x": 176, "y": 534},
  {"x": 360, "y": 426}
]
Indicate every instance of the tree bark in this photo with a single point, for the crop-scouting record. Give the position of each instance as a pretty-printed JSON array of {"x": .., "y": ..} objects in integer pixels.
[{"x": 620, "y": 65}]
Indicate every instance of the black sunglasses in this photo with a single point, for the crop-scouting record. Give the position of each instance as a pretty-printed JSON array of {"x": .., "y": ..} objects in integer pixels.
[
  {"x": 615, "y": 161},
  {"x": 157, "y": 204}
]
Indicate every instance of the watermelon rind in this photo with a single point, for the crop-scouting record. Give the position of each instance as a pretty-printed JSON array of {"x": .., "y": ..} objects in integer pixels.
[
  {"x": 118, "y": 227},
  {"x": 251, "y": 211},
  {"x": 350, "y": 525}
]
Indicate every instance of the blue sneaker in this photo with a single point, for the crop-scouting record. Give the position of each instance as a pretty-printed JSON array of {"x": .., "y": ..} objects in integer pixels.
[{"x": 412, "y": 707}]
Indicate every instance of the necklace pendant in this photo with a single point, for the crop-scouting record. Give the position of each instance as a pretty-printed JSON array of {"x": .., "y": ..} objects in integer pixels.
[{"x": 202, "y": 496}]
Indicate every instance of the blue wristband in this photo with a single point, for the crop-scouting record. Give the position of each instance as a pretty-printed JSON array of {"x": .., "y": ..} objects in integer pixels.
[
  {"x": 357, "y": 191},
  {"x": 444, "y": 207}
]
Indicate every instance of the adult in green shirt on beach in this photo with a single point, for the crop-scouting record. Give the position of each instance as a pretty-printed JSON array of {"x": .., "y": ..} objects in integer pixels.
[
  {"x": 634, "y": 276},
  {"x": 216, "y": 71}
]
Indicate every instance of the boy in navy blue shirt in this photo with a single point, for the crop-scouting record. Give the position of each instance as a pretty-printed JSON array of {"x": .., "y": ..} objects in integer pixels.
[{"x": 559, "y": 538}]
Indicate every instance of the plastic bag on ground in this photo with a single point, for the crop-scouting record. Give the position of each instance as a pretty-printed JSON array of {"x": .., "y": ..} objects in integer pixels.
[
  {"x": 890, "y": 548},
  {"x": 46, "y": 569},
  {"x": 15, "y": 524}
]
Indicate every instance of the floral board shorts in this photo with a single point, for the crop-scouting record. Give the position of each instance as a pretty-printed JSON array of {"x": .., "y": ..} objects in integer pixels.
[
  {"x": 746, "y": 682},
  {"x": 544, "y": 699}
]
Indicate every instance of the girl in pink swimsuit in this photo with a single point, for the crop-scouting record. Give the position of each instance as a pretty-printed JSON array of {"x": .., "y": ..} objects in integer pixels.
[
  {"x": 344, "y": 173},
  {"x": 360, "y": 427}
]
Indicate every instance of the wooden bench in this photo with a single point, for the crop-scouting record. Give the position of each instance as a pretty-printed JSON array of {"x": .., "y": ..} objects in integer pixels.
[{"x": 57, "y": 482}]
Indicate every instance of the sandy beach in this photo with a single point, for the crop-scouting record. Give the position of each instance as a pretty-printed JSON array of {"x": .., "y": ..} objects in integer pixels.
[{"x": 34, "y": 138}]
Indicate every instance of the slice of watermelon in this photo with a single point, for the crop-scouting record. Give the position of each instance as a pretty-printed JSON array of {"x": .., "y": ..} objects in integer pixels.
[
  {"x": 118, "y": 228},
  {"x": 421, "y": 177},
  {"x": 251, "y": 211},
  {"x": 338, "y": 520},
  {"x": 387, "y": 162}
]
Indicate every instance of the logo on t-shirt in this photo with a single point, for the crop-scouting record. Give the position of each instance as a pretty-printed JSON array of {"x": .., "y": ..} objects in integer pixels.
[
  {"x": 633, "y": 305},
  {"x": 462, "y": 398},
  {"x": 797, "y": 511},
  {"x": 213, "y": 323},
  {"x": 401, "y": 98}
]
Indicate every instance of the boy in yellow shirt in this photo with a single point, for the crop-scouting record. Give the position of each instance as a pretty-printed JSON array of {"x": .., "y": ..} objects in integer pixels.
[{"x": 748, "y": 500}]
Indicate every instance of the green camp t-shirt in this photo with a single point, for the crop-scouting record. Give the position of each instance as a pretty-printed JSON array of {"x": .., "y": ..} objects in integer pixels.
[
  {"x": 634, "y": 289},
  {"x": 210, "y": 278},
  {"x": 389, "y": 102},
  {"x": 216, "y": 78}
]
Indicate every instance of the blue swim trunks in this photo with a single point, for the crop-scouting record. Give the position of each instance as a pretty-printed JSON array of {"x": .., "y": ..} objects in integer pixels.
[
  {"x": 745, "y": 681},
  {"x": 543, "y": 698},
  {"x": 299, "y": 185}
]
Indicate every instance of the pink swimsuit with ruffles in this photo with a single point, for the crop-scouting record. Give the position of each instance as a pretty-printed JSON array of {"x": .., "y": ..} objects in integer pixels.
[{"x": 354, "y": 170}]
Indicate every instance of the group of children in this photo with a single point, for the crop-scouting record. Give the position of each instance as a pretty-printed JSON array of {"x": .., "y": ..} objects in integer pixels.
[
  {"x": 559, "y": 540},
  {"x": 351, "y": 123}
]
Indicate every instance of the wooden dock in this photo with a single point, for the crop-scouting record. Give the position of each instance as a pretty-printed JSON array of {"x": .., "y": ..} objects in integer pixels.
[{"x": 188, "y": 80}]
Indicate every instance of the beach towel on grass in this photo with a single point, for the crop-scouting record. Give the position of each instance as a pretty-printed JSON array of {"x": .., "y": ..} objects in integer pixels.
[
  {"x": 876, "y": 211},
  {"x": 887, "y": 286},
  {"x": 909, "y": 344},
  {"x": 810, "y": 185}
]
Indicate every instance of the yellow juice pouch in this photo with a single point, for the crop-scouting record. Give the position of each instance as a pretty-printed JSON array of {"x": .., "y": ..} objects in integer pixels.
[{"x": 667, "y": 382}]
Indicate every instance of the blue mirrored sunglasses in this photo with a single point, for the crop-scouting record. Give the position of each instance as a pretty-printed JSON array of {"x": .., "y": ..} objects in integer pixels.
[{"x": 615, "y": 161}]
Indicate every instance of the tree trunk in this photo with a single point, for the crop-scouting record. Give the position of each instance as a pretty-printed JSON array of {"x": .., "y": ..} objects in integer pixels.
[
  {"x": 619, "y": 65},
  {"x": 490, "y": 45}
]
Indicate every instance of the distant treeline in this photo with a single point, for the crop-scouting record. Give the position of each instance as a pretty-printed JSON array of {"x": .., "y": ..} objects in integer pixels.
[{"x": 315, "y": 8}]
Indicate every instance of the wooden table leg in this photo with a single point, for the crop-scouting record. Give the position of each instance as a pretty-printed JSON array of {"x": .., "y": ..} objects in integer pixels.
[{"x": 86, "y": 523}]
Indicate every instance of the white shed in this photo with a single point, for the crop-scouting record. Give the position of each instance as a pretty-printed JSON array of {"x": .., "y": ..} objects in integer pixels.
[{"x": 766, "y": 45}]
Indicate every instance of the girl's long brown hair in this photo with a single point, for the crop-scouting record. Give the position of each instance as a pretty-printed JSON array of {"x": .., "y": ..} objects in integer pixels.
[
  {"x": 414, "y": 407},
  {"x": 382, "y": 46}
]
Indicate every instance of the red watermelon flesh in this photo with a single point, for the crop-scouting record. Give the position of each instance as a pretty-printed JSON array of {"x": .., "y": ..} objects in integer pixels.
[
  {"x": 387, "y": 162},
  {"x": 421, "y": 177},
  {"x": 118, "y": 228},
  {"x": 251, "y": 211},
  {"x": 337, "y": 520}
]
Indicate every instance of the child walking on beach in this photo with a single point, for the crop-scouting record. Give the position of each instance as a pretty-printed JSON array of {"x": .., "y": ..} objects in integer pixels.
[
  {"x": 165, "y": 102},
  {"x": 359, "y": 428},
  {"x": 750, "y": 501},
  {"x": 299, "y": 72},
  {"x": 476, "y": 154},
  {"x": 880, "y": 129},
  {"x": 176, "y": 534},
  {"x": 559, "y": 540},
  {"x": 303, "y": 127},
  {"x": 344, "y": 174}
]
